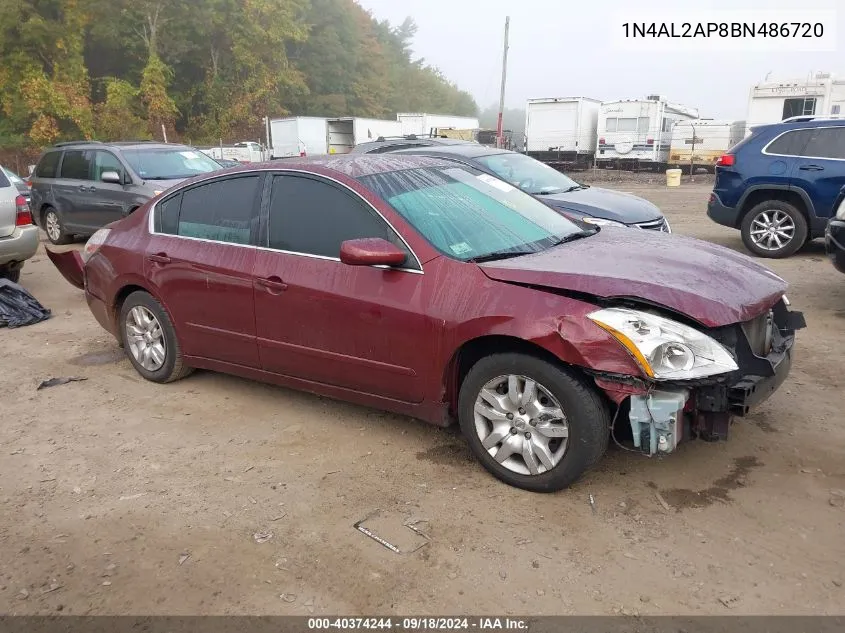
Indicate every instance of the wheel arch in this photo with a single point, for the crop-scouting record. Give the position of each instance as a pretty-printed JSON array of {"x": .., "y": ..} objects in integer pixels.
[
  {"x": 473, "y": 350},
  {"x": 792, "y": 195}
]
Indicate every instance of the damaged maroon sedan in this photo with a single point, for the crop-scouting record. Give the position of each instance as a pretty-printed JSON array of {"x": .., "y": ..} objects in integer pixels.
[{"x": 427, "y": 288}]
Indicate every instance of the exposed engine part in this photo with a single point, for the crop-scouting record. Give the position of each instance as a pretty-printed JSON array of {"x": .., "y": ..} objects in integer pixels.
[{"x": 657, "y": 420}]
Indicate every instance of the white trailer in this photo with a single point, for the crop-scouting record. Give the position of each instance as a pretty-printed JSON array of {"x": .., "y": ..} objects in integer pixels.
[
  {"x": 344, "y": 133},
  {"x": 244, "y": 152},
  {"x": 298, "y": 136},
  {"x": 701, "y": 142},
  {"x": 562, "y": 131},
  {"x": 771, "y": 102},
  {"x": 638, "y": 132},
  {"x": 420, "y": 123}
]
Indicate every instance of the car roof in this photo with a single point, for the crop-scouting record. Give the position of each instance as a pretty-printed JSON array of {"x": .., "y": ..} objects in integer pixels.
[
  {"x": 463, "y": 150},
  {"x": 422, "y": 141},
  {"x": 800, "y": 124},
  {"x": 119, "y": 145},
  {"x": 351, "y": 165}
]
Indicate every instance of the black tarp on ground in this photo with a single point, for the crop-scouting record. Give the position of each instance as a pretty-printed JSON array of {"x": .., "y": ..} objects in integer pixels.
[{"x": 18, "y": 307}]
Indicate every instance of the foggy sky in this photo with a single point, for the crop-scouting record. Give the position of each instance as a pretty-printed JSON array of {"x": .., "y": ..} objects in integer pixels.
[{"x": 564, "y": 48}]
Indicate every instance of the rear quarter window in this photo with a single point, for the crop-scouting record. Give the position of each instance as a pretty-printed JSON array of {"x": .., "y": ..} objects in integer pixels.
[
  {"x": 46, "y": 167},
  {"x": 790, "y": 143},
  {"x": 4, "y": 182}
]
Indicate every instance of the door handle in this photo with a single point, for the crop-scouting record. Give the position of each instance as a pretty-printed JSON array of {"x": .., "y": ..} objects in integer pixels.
[
  {"x": 273, "y": 284},
  {"x": 811, "y": 168},
  {"x": 159, "y": 258}
]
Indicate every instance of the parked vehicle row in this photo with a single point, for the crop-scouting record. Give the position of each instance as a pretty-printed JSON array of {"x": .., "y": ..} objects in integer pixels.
[{"x": 427, "y": 286}]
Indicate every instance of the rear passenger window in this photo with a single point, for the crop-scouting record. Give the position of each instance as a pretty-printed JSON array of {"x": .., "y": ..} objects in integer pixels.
[
  {"x": 826, "y": 142},
  {"x": 223, "y": 210},
  {"x": 76, "y": 165},
  {"x": 47, "y": 165},
  {"x": 167, "y": 216},
  {"x": 790, "y": 144}
]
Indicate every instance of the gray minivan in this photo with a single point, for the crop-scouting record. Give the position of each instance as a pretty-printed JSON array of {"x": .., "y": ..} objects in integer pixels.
[{"x": 79, "y": 187}]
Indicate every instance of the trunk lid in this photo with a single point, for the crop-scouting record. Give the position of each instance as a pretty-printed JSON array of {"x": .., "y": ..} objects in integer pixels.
[
  {"x": 709, "y": 284},
  {"x": 70, "y": 265}
]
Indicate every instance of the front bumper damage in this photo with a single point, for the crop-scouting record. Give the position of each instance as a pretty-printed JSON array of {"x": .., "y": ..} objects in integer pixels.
[{"x": 661, "y": 415}]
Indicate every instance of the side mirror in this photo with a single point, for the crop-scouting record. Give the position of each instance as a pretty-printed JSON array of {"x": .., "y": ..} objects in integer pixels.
[
  {"x": 371, "y": 251},
  {"x": 112, "y": 177}
]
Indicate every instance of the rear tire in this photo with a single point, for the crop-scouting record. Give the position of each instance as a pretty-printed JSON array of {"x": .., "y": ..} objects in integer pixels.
[
  {"x": 55, "y": 229},
  {"x": 149, "y": 339},
  {"x": 562, "y": 447},
  {"x": 787, "y": 222},
  {"x": 11, "y": 275}
]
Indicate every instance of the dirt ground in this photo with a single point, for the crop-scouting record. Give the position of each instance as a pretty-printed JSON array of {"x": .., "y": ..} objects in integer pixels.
[{"x": 119, "y": 496}]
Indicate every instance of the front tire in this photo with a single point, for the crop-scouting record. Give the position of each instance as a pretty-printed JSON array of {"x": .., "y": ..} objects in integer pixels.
[
  {"x": 774, "y": 229},
  {"x": 532, "y": 424},
  {"x": 55, "y": 229},
  {"x": 149, "y": 339}
]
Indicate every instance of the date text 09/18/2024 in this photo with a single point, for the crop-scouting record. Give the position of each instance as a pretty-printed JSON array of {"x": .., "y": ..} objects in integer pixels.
[{"x": 418, "y": 623}]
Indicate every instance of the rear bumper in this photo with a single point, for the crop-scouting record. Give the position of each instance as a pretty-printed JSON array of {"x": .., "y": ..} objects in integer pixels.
[
  {"x": 834, "y": 243},
  {"x": 70, "y": 265},
  {"x": 721, "y": 214},
  {"x": 101, "y": 312},
  {"x": 19, "y": 246}
]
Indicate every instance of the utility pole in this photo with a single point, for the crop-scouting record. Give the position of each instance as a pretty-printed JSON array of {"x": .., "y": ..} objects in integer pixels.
[{"x": 499, "y": 133}]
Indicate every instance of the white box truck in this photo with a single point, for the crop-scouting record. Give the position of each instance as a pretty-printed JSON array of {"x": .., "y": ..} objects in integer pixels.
[
  {"x": 298, "y": 136},
  {"x": 771, "y": 102},
  {"x": 562, "y": 131},
  {"x": 701, "y": 142},
  {"x": 421, "y": 123},
  {"x": 346, "y": 132},
  {"x": 638, "y": 132}
]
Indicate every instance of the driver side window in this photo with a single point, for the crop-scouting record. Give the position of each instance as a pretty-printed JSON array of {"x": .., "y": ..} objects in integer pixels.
[
  {"x": 106, "y": 161},
  {"x": 312, "y": 217}
]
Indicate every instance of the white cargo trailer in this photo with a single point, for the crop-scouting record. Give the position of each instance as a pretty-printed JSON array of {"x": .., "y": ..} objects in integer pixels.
[
  {"x": 562, "y": 131},
  {"x": 298, "y": 136},
  {"x": 638, "y": 132},
  {"x": 701, "y": 142},
  {"x": 344, "y": 133},
  {"x": 771, "y": 102},
  {"x": 420, "y": 123}
]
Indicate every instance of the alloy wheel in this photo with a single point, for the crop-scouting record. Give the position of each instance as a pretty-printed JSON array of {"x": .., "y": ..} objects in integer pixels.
[
  {"x": 521, "y": 424},
  {"x": 145, "y": 338},
  {"x": 772, "y": 230},
  {"x": 53, "y": 228}
]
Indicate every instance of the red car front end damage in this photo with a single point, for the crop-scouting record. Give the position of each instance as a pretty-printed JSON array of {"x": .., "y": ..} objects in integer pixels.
[{"x": 673, "y": 336}]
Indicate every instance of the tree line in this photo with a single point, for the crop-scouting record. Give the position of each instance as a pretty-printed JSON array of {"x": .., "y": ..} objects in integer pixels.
[{"x": 203, "y": 70}]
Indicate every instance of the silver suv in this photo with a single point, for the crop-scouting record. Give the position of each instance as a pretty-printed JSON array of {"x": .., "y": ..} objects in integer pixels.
[
  {"x": 80, "y": 187},
  {"x": 18, "y": 236}
]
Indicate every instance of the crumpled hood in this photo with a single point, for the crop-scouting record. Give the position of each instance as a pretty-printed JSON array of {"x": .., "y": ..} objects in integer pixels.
[
  {"x": 710, "y": 284},
  {"x": 606, "y": 204}
]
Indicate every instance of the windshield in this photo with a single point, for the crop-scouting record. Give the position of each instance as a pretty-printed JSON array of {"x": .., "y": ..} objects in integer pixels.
[
  {"x": 168, "y": 164},
  {"x": 468, "y": 215},
  {"x": 528, "y": 174}
]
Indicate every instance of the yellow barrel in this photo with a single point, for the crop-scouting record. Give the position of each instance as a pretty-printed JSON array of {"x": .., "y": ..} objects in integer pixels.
[{"x": 673, "y": 177}]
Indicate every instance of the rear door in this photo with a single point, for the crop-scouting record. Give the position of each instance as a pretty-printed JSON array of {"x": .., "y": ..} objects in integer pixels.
[
  {"x": 71, "y": 189},
  {"x": 820, "y": 170},
  {"x": 200, "y": 259},
  {"x": 108, "y": 201}
]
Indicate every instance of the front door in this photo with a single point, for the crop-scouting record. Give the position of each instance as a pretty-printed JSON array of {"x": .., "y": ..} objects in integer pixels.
[
  {"x": 323, "y": 321},
  {"x": 200, "y": 259},
  {"x": 109, "y": 201},
  {"x": 820, "y": 170}
]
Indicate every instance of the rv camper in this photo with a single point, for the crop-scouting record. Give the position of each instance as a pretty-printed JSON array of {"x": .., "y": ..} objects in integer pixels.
[
  {"x": 698, "y": 143},
  {"x": 562, "y": 132},
  {"x": 638, "y": 132},
  {"x": 820, "y": 95}
]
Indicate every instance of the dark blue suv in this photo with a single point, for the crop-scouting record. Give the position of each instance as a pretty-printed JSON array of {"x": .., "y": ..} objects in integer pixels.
[{"x": 778, "y": 186}]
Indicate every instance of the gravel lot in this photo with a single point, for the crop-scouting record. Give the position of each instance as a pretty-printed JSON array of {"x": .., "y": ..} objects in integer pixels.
[{"x": 118, "y": 496}]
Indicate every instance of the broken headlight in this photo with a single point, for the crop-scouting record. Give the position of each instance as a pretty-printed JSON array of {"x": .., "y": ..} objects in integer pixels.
[{"x": 665, "y": 349}]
